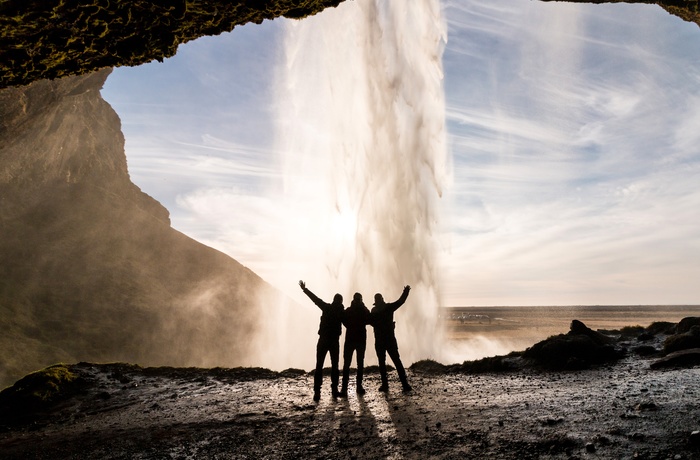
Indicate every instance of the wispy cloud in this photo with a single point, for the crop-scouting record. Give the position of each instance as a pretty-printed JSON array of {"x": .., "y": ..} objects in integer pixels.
[
  {"x": 574, "y": 156},
  {"x": 573, "y": 135}
]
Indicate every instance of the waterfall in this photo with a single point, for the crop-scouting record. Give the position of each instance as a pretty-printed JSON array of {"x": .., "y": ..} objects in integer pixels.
[{"x": 361, "y": 136}]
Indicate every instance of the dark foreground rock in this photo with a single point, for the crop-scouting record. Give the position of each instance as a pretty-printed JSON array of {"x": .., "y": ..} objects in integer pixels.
[
  {"x": 620, "y": 409},
  {"x": 687, "y": 336},
  {"x": 683, "y": 358},
  {"x": 580, "y": 348}
]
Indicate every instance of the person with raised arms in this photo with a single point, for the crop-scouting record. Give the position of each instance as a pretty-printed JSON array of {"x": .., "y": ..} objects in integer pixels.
[{"x": 355, "y": 318}]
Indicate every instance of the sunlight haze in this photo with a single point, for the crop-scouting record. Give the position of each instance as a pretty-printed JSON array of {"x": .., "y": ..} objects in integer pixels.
[{"x": 572, "y": 148}]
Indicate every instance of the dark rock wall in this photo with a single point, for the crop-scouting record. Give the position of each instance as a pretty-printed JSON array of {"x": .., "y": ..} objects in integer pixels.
[
  {"x": 54, "y": 38},
  {"x": 688, "y": 10},
  {"x": 91, "y": 269}
]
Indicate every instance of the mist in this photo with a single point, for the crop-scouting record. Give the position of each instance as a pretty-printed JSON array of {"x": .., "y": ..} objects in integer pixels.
[
  {"x": 361, "y": 139},
  {"x": 574, "y": 158}
]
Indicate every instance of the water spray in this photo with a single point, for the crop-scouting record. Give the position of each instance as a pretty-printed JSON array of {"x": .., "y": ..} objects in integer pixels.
[{"x": 361, "y": 134}]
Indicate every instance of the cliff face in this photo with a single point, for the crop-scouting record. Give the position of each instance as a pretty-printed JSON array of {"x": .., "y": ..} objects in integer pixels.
[
  {"x": 91, "y": 269},
  {"x": 63, "y": 132}
]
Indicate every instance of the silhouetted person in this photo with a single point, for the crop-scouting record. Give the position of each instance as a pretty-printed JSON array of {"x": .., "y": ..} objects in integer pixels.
[
  {"x": 328, "y": 339},
  {"x": 355, "y": 319},
  {"x": 385, "y": 340}
]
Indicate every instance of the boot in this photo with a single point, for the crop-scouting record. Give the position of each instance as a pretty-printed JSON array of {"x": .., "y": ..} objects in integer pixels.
[
  {"x": 358, "y": 383},
  {"x": 402, "y": 376},
  {"x": 344, "y": 388},
  {"x": 385, "y": 379}
]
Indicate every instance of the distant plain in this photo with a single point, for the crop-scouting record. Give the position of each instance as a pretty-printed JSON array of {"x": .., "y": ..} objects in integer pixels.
[{"x": 507, "y": 328}]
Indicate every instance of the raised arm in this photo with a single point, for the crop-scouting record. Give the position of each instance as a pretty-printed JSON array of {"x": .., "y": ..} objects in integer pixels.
[
  {"x": 314, "y": 298},
  {"x": 404, "y": 295}
]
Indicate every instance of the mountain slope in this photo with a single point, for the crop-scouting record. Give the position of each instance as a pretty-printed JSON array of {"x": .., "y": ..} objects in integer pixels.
[{"x": 91, "y": 269}]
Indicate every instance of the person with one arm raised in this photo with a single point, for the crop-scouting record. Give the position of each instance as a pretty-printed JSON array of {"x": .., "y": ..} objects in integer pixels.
[
  {"x": 328, "y": 339},
  {"x": 382, "y": 317}
]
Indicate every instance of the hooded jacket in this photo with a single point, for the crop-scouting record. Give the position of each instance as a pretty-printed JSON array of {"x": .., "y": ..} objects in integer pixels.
[
  {"x": 355, "y": 318},
  {"x": 332, "y": 316}
]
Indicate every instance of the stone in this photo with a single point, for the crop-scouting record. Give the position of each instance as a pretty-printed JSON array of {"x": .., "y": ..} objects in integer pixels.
[
  {"x": 694, "y": 438},
  {"x": 687, "y": 323},
  {"x": 579, "y": 349},
  {"x": 683, "y": 358}
]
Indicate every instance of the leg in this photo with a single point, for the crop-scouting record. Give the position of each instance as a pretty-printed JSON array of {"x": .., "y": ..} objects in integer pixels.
[
  {"x": 334, "y": 349},
  {"x": 321, "y": 351},
  {"x": 396, "y": 359},
  {"x": 381, "y": 357},
  {"x": 347, "y": 360},
  {"x": 360, "y": 366}
]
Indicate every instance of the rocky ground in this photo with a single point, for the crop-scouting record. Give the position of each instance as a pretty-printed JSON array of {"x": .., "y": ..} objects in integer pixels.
[{"x": 617, "y": 410}]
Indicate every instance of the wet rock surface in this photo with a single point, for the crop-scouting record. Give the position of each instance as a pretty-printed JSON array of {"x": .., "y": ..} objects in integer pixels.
[{"x": 622, "y": 409}]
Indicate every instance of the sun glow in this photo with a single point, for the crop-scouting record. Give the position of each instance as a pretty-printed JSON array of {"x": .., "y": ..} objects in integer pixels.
[{"x": 361, "y": 135}]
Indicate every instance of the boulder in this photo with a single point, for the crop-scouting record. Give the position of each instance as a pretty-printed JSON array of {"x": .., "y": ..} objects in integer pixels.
[
  {"x": 686, "y": 324},
  {"x": 683, "y": 358},
  {"x": 580, "y": 348},
  {"x": 683, "y": 341}
]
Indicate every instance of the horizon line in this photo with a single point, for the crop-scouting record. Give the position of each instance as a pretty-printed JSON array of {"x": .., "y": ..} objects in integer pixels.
[{"x": 572, "y": 306}]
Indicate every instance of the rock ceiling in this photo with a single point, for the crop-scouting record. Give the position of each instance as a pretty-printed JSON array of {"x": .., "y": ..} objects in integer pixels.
[{"x": 55, "y": 38}]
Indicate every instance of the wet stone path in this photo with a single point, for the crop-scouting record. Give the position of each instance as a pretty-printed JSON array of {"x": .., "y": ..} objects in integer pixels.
[{"x": 621, "y": 411}]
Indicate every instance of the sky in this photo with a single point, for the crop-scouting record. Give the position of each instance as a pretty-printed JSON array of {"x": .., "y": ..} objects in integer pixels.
[{"x": 571, "y": 132}]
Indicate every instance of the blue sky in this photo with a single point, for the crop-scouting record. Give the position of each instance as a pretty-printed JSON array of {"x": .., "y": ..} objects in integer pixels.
[{"x": 571, "y": 129}]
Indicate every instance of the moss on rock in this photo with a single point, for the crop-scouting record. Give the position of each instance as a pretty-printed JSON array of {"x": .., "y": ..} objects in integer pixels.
[{"x": 37, "y": 391}]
